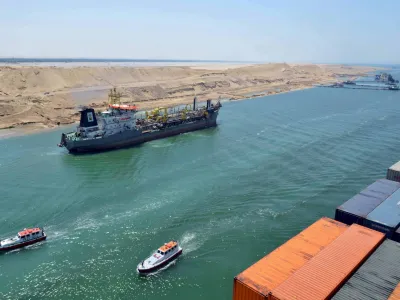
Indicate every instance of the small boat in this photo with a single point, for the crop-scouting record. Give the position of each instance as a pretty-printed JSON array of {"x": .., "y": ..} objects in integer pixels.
[
  {"x": 26, "y": 237},
  {"x": 164, "y": 255},
  {"x": 349, "y": 82}
]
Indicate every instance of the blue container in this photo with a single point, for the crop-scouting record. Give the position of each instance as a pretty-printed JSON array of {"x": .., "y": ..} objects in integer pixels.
[
  {"x": 386, "y": 217},
  {"x": 356, "y": 209}
]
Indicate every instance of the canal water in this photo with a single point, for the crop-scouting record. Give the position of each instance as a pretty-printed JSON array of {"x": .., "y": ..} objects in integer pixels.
[{"x": 229, "y": 195}]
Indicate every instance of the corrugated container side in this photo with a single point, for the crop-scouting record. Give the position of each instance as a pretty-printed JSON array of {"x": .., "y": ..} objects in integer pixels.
[
  {"x": 376, "y": 278},
  {"x": 393, "y": 173},
  {"x": 386, "y": 217},
  {"x": 396, "y": 293},
  {"x": 359, "y": 206},
  {"x": 243, "y": 292},
  {"x": 276, "y": 267},
  {"x": 324, "y": 274},
  {"x": 375, "y": 225},
  {"x": 348, "y": 217}
]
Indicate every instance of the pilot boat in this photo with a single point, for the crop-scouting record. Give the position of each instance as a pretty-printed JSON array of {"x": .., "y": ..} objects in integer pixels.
[
  {"x": 164, "y": 255},
  {"x": 26, "y": 237}
]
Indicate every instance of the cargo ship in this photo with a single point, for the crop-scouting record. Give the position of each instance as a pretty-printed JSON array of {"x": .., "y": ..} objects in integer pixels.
[
  {"x": 355, "y": 256},
  {"x": 385, "y": 77},
  {"x": 120, "y": 127}
]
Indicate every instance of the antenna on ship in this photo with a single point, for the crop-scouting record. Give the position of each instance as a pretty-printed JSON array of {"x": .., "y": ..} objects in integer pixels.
[
  {"x": 194, "y": 102},
  {"x": 114, "y": 97}
]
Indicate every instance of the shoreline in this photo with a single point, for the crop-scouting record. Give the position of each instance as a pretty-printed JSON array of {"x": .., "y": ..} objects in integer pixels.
[
  {"x": 34, "y": 99},
  {"x": 25, "y": 130}
]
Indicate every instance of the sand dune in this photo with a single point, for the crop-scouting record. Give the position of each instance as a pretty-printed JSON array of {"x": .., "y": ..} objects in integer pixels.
[{"x": 42, "y": 97}]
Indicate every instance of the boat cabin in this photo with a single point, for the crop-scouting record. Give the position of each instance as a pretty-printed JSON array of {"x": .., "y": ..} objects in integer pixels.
[
  {"x": 167, "y": 248},
  {"x": 30, "y": 233}
]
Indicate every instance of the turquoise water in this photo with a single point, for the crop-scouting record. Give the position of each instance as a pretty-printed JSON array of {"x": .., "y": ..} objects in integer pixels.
[{"x": 229, "y": 195}]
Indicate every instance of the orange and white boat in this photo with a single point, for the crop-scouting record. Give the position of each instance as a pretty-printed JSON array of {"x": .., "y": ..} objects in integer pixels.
[
  {"x": 26, "y": 237},
  {"x": 164, "y": 255}
]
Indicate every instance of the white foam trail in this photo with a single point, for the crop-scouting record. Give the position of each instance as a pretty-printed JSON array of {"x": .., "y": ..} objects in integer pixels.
[
  {"x": 190, "y": 242},
  {"x": 53, "y": 153},
  {"x": 87, "y": 223},
  {"x": 160, "y": 145}
]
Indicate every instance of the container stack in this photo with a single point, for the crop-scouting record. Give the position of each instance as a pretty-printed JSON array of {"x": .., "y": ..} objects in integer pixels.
[
  {"x": 376, "y": 207},
  {"x": 259, "y": 280},
  {"x": 356, "y": 209},
  {"x": 356, "y": 256},
  {"x": 393, "y": 173},
  {"x": 377, "y": 278},
  {"x": 312, "y": 265},
  {"x": 386, "y": 217},
  {"x": 396, "y": 293}
]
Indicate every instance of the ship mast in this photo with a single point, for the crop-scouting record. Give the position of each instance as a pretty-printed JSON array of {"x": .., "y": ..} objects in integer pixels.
[{"x": 114, "y": 97}]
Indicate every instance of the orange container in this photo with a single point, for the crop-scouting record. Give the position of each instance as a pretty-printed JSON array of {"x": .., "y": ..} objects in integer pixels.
[
  {"x": 256, "y": 282},
  {"x": 323, "y": 275},
  {"x": 395, "y": 294}
]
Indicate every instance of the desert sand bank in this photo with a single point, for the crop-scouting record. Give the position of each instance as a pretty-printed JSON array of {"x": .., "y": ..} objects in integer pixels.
[{"x": 37, "y": 97}]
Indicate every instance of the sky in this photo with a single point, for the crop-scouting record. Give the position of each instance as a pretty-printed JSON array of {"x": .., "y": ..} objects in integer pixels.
[{"x": 340, "y": 31}]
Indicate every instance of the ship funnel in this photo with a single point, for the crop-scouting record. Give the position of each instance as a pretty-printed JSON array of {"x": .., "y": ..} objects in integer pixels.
[
  {"x": 194, "y": 103},
  {"x": 208, "y": 104},
  {"x": 88, "y": 118}
]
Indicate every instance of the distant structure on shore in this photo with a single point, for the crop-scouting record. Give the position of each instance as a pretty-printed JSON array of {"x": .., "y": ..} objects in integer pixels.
[{"x": 385, "y": 82}]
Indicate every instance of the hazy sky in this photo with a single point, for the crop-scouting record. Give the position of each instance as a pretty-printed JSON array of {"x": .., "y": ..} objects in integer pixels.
[{"x": 340, "y": 31}]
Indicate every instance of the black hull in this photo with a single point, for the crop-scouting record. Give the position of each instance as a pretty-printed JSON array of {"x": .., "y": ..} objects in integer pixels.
[
  {"x": 115, "y": 142},
  {"x": 163, "y": 264}
]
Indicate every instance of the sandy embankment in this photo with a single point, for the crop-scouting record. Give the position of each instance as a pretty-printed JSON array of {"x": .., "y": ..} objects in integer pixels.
[{"x": 41, "y": 97}]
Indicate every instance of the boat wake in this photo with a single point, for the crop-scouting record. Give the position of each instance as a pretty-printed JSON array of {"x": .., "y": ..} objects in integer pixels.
[
  {"x": 190, "y": 242},
  {"x": 158, "y": 144},
  {"x": 52, "y": 153}
]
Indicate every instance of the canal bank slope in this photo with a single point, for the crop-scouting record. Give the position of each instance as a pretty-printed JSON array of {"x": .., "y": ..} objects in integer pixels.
[{"x": 33, "y": 97}]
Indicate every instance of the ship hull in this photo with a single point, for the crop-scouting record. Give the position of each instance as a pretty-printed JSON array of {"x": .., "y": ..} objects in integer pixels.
[
  {"x": 132, "y": 138},
  {"x": 161, "y": 265},
  {"x": 22, "y": 245}
]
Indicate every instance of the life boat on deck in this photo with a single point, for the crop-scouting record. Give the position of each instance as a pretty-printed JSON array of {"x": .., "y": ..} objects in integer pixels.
[{"x": 123, "y": 107}]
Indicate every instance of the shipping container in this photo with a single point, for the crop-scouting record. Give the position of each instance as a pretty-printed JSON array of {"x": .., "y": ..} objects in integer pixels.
[
  {"x": 386, "y": 217},
  {"x": 376, "y": 278},
  {"x": 393, "y": 173},
  {"x": 396, "y": 293},
  {"x": 269, "y": 272},
  {"x": 358, "y": 207},
  {"x": 322, "y": 276},
  {"x": 396, "y": 235}
]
